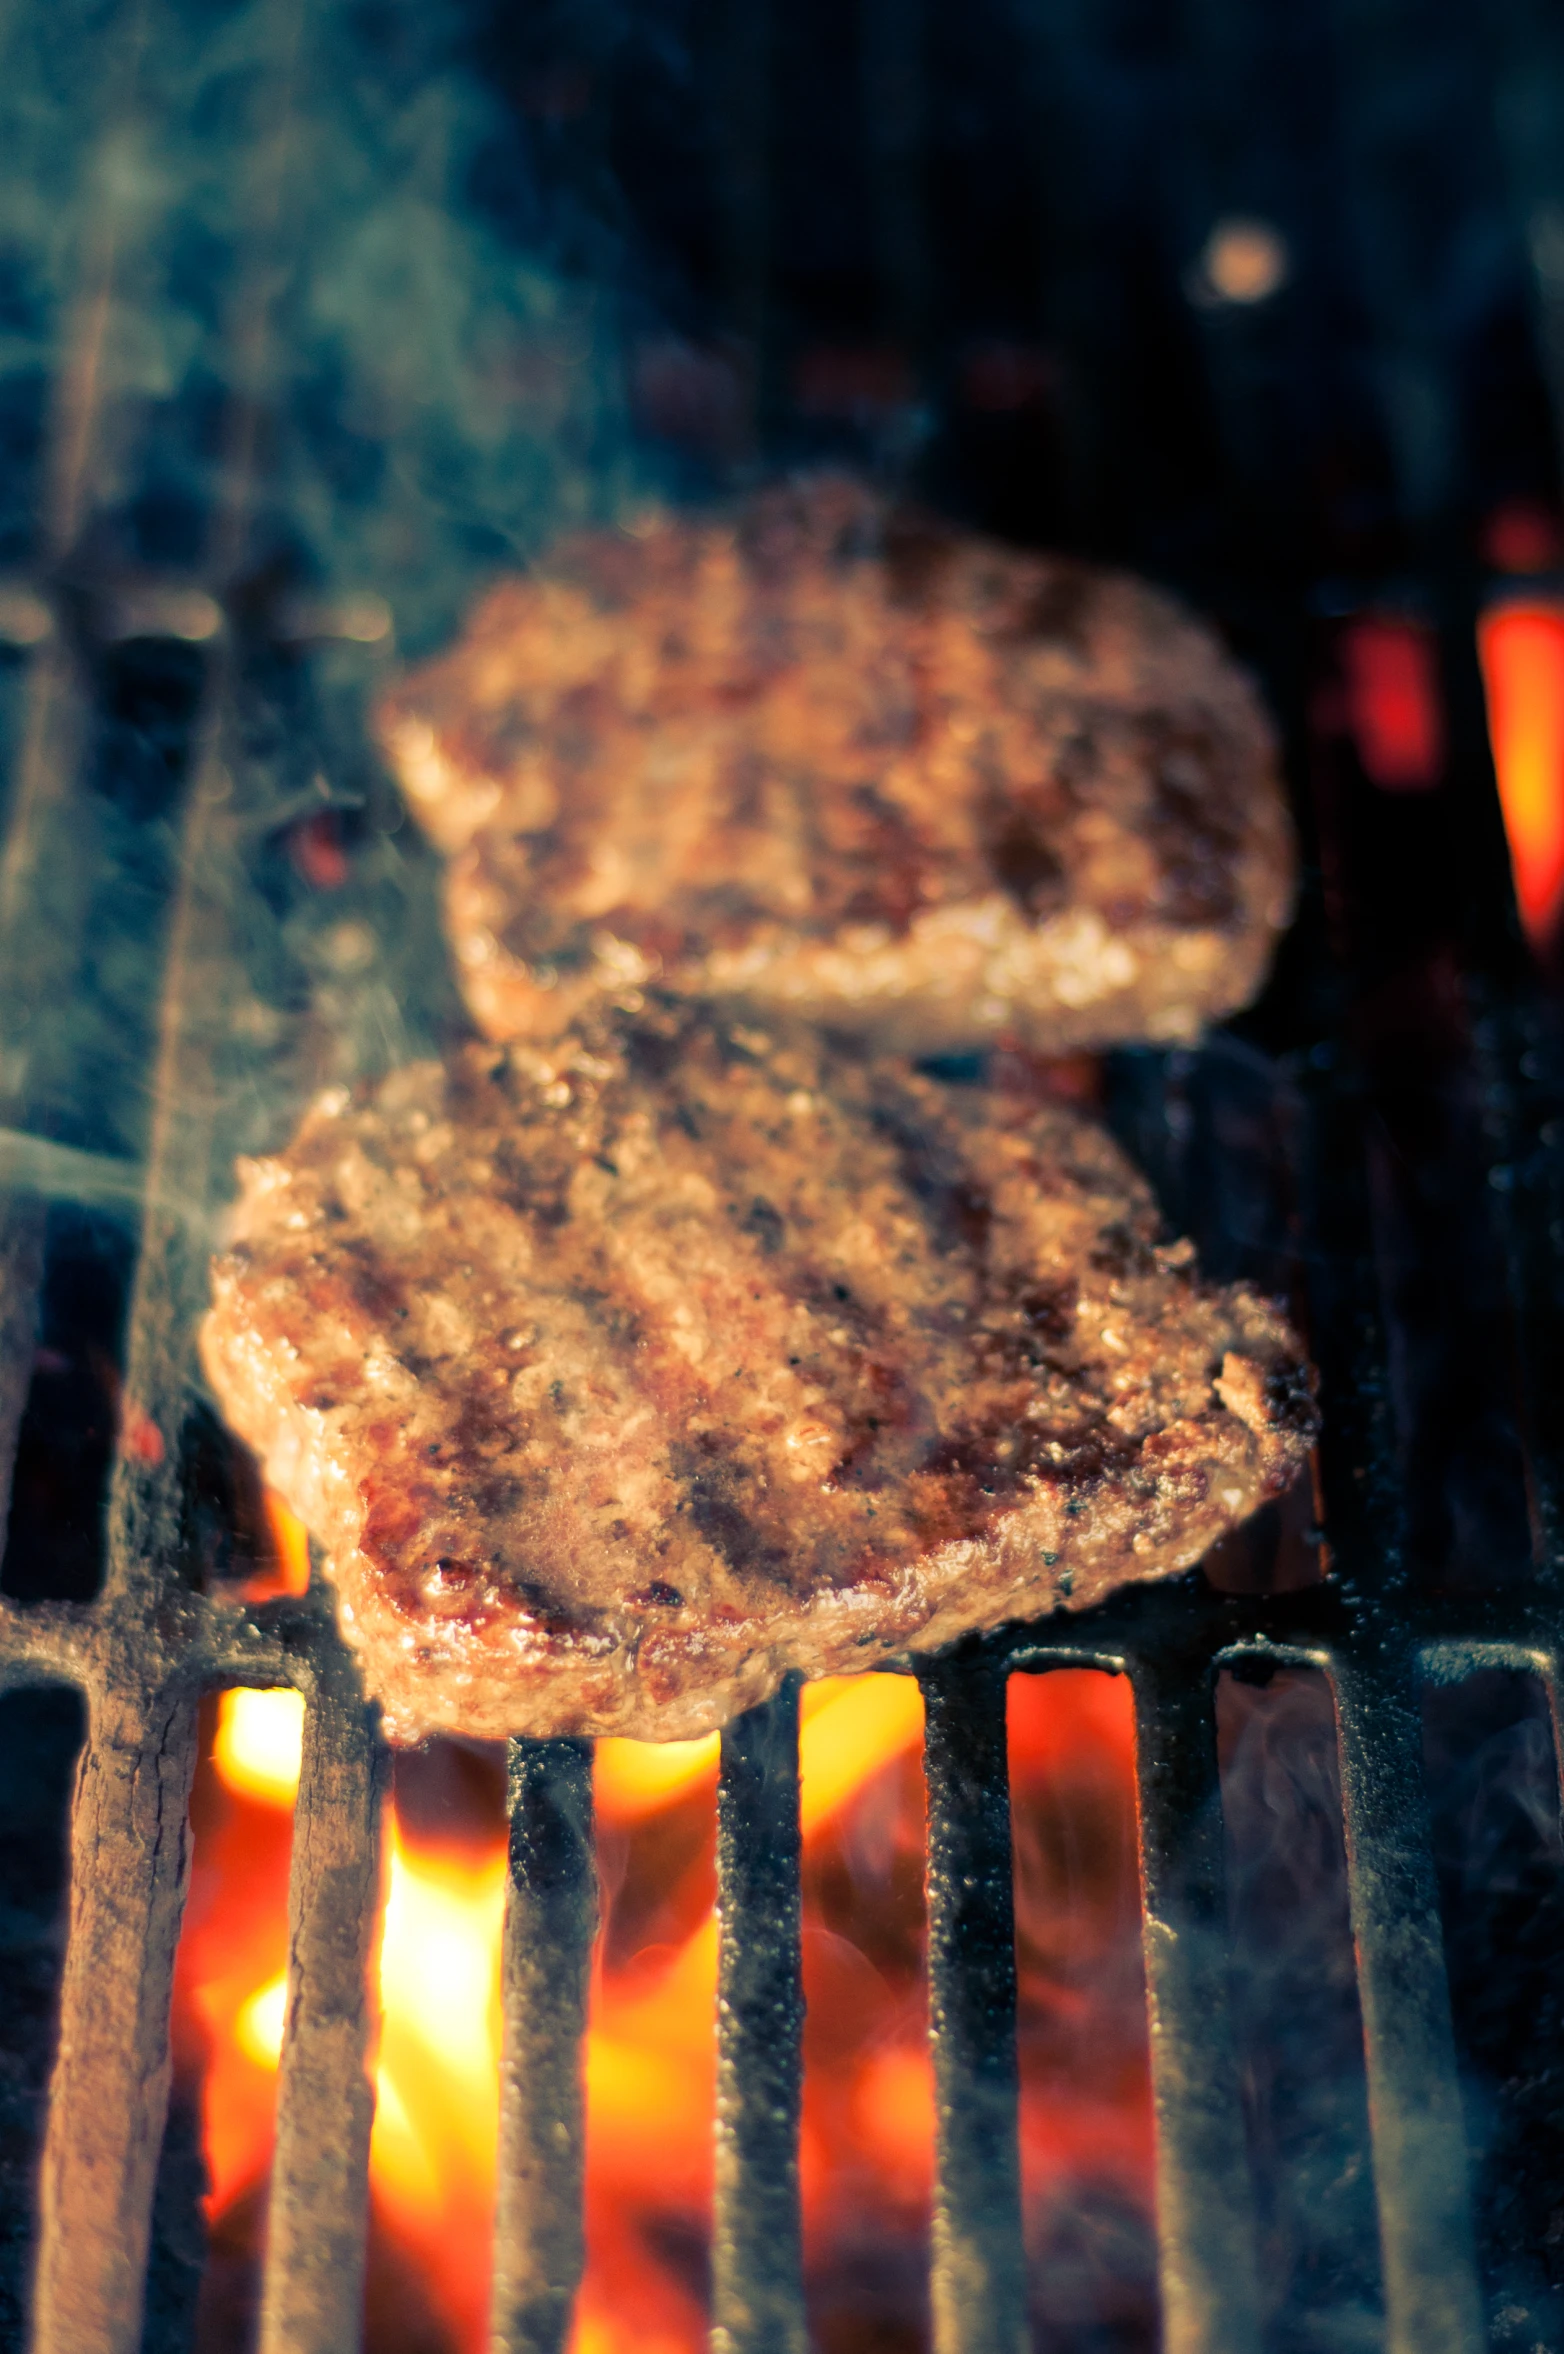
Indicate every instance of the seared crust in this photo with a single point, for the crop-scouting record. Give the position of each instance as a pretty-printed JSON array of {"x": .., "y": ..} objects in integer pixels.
[
  {"x": 619, "y": 1377},
  {"x": 856, "y": 767}
]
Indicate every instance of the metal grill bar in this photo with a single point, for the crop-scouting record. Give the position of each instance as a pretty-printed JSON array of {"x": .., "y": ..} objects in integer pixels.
[
  {"x": 318, "y": 2214},
  {"x": 550, "y": 1920},
  {"x": 757, "y": 2256},
  {"x": 37, "y": 948},
  {"x": 1431, "y": 2295},
  {"x": 1529, "y": 1199},
  {"x": 979, "y": 2284},
  {"x": 130, "y": 1860},
  {"x": 130, "y": 1843},
  {"x": 1205, "y": 2215},
  {"x": 170, "y": 1280},
  {"x": 34, "y": 953},
  {"x": 21, "y": 1273}
]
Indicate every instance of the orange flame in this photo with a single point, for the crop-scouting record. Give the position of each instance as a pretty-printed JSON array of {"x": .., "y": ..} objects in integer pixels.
[
  {"x": 432, "y": 2154},
  {"x": 285, "y": 1564},
  {"x": 868, "y": 2127},
  {"x": 651, "y": 2044},
  {"x": 1521, "y": 650},
  {"x": 1085, "y": 2067}
]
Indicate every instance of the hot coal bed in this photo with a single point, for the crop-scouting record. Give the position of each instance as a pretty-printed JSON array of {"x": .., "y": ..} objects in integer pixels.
[{"x": 312, "y": 316}]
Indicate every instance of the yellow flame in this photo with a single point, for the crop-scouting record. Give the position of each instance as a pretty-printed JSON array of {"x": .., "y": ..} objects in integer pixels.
[
  {"x": 399, "y": 2157},
  {"x": 437, "y": 2080},
  {"x": 851, "y": 1727},
  {"x": 605, "y": 2333},
  {"x": 854, "y": 1726},
  {"x": 437, "y": 2115},
  {"x": 649, "y": 2057},
  {"x": 650, "y": 2046},
  {"x": 260, "y": 1740},
  {"x": 258, "y": 2027},
  {"x": 635, "y": 1778}
]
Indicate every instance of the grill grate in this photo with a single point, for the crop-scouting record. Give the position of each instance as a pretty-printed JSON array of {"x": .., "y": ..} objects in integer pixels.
[
  {"x": 148, "y": 1646},
  {"x": 144, "y": 1651}
]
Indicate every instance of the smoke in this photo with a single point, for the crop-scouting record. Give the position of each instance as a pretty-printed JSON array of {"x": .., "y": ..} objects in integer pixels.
[
  {"x": 312, "y": 273},
  {"x": 1299, "y": 2027},
  {"x": 289, "y": 307},
  {"x": 1493, "y": 1801},
  {"x": 1494, "y": 1807}
]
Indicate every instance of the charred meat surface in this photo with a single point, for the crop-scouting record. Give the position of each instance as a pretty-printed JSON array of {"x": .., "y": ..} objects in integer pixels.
[
  {"x": 824, "y": 758},
  {"x": 620, "y": 1375}
]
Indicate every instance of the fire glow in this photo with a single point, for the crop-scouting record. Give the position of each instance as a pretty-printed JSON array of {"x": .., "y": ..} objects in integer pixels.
[
  {"x": 1521, "y": 649},
  {"x": 1390, "y": 681},
  {"x": 866, "y": 2153}
]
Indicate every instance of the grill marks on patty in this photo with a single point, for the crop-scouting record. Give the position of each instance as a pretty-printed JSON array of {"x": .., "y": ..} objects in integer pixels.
[
  {"x": 827, "y": 758},
  {"x": 617, "y": 1377}
]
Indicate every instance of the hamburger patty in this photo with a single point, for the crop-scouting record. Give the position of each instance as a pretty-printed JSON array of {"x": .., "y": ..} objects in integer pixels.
[
  {"x": 618, "y": 1377},
  {"x": 829, "y": 760}
]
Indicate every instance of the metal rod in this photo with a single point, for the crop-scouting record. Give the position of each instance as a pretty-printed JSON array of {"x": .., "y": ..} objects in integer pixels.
[
  {"x": 130, "y": 1860},
  {"x": 1528, "y": 1197},
  {"x": 318, "y": 2215},
  {"x": 169, "y": 1289},
  {"x": 43, "y": 915},
  {"x": 550, "y": 1920},
  {"x": 757, "y": 2253},
  {"x": 979, "y": 2283},
  {"x": 21, "y": 1275},
  {"x": 1205, "y": 2219},
  {"x": 1432, "y": 2303}
]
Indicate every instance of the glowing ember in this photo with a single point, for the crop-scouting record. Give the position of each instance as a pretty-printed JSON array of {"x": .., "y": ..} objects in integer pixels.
[
  {"x": 1391, "y": 680},
  {"x": 1521, "y": 648},
  {"x": 1522, "y": 536},
  {"x": 1086, "y": 2114},
  {"x": 866, "y": 2155},
  {"x": 1243, "y": 261}
]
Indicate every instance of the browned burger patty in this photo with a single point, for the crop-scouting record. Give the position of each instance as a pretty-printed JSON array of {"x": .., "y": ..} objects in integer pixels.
[
  {"x": 618, "y": 1377},
  {"x": 824, "y": 760}
]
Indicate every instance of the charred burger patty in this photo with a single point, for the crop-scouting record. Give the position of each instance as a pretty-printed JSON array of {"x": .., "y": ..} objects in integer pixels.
[
  {"x": 823, "y": 759},
  {"x": 619, "y": 1375}
]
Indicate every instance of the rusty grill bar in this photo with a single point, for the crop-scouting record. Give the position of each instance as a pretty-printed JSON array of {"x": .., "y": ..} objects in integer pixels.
[{"x": 144, "y": 1652}]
